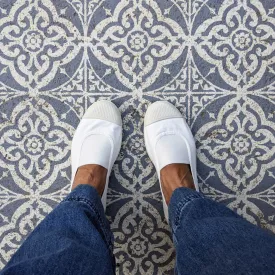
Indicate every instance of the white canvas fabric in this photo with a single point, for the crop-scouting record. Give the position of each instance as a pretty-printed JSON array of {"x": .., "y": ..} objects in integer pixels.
[
  {"x": 168, "y": 140},
  {"x": 97, "y": 139}
]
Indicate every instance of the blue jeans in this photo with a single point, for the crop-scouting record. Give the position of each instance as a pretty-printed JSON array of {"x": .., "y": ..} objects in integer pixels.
[{"x": 75, "y": 238}]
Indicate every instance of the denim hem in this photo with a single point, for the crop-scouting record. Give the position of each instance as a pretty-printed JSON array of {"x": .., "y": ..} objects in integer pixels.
[
  {"x": 180, "y": 198},
  {"x": 98, "y": 216},
  {"x": 81, "y": 194}
]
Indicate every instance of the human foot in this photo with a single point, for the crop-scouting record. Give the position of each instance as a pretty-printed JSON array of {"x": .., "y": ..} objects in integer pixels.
[
  {"x": 95, "y": 147},
  {"x": 169, "y": 140},
  {"x": 93, "y": 175},
  {"x": 173, "y": 176}
]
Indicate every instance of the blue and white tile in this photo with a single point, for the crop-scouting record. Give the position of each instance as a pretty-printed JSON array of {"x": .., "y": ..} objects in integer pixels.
[{"x": 214, "y": 60}]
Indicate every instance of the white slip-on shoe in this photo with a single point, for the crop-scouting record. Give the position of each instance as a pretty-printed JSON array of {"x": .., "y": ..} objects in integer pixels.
[
  {"x": 97, "y": 139},
  {"x": 168, "y": 140}
]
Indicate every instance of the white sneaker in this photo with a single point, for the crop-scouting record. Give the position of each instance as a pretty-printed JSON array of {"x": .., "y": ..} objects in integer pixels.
[
  {"x": 168, "y": 140},
  {"x": 97, "y": 139}
]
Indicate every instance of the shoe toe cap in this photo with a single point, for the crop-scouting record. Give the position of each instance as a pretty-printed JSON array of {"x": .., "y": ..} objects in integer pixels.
[
  {"x": 161, "y": 110},
  {"x": 104, "y": 110}
]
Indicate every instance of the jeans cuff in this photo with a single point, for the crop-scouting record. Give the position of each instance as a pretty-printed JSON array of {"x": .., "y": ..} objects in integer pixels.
[
  {"x": 180, "y": 198},
  {"x": 88, "y": 195}
]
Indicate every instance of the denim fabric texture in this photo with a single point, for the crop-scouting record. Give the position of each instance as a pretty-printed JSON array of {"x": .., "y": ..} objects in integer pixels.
[
  {"x": 212, "y": 239},
  {"x": 75, "y": 238}
]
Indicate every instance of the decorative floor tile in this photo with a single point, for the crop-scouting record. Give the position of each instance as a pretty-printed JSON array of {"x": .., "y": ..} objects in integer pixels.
[{"x": 214, "y": 60}]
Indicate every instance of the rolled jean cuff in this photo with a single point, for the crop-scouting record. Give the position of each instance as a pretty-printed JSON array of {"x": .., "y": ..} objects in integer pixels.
[
  {"x": 180, "y": 198},
  {"x": 87, "y": 195}
]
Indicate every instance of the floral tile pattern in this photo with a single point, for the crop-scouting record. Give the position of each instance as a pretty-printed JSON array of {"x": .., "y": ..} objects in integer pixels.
[{"x": 214, "y": 60}]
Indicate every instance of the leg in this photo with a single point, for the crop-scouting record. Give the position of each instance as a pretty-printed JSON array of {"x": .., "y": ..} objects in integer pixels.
[
  {"x": 75, "y": 238},
  {"x": 209, "y": 238},
  {"x": 212, "y": 239}
]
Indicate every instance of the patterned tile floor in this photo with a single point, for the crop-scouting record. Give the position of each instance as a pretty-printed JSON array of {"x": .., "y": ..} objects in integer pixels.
[{"x": 213, "y": 59}]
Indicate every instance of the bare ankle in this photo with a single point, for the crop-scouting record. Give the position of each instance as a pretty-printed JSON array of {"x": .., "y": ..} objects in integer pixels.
[
  {"x": 174, "y": 176},
  {"x": 93, "y": 175}
]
